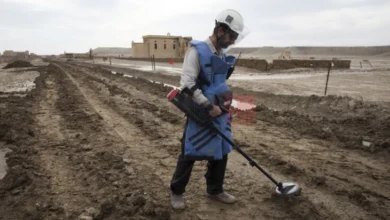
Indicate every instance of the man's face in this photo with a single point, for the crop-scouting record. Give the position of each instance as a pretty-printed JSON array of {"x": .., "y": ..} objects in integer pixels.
[{"x": 227, "y": 39}]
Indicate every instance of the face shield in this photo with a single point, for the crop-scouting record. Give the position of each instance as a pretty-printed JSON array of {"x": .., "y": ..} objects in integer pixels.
[
  {"x": 241, "y": 35},
  {"x": 220, "y": 66}
]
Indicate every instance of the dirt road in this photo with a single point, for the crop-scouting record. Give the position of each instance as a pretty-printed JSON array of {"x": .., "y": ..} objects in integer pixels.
[{"x": 89, "y": 144}]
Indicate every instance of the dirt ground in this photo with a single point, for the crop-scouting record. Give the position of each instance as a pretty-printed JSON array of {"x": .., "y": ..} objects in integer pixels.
[{"x": 89, "y": 144}]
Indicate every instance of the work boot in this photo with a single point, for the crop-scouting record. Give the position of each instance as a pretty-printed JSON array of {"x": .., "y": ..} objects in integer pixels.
[
  {"x": 224, "y": 197},
  {"x": 177, "y": 201}
]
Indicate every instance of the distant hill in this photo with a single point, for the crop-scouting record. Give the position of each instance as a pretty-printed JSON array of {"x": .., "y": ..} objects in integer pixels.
[
  {"x": 302, "y": 51},
  {"x": 113, "y": 51}
]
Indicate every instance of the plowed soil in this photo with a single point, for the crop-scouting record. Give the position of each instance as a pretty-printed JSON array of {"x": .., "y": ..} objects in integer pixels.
[{"x": 89, "y": 144}]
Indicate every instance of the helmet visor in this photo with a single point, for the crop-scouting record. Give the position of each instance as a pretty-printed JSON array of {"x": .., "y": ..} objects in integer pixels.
[{"x": 238, "y": 37}]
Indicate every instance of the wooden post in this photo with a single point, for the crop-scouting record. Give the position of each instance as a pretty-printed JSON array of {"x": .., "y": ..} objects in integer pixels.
[
  {"x": 151, "y": 60},
  {"x": 327, "y": 77},
  {"x": 369, "y": 63},
  {"x": 154, "y": 63}
]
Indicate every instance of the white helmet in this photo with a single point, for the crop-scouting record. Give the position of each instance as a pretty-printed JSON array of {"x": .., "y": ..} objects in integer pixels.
[
  {"x": 235, "y": 22},
  {"x": 232, "y": 19}
]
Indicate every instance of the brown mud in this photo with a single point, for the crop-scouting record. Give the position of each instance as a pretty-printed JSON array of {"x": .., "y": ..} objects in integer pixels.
[
  {"x": 347, "y": 121},
  {"x": 89, "y": 144}
]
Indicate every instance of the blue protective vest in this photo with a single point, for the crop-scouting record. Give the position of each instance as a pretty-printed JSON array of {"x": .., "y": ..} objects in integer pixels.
[{"x": 200, "y": 143}]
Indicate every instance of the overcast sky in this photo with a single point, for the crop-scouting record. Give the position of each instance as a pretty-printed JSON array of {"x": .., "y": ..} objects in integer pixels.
[{"x": 55, "y": 26}]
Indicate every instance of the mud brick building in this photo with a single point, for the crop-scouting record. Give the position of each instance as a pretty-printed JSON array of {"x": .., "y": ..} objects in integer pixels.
[
  {"x": 161, "y": 46},
  {"x": 11, "y": 53}
]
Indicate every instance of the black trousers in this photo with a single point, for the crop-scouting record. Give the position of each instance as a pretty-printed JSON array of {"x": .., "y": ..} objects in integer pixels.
[{"x": 214, "y": 176}]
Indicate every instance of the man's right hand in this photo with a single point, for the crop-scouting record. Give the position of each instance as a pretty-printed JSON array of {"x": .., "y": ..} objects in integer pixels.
[{"x": 215, "y": 111}]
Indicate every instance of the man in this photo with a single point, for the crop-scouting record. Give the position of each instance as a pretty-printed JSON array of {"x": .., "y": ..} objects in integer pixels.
[{"x": 205, "y": 70}]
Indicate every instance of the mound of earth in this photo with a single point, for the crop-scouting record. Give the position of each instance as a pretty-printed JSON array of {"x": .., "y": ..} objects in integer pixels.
[{"x": 18, "y": 64}]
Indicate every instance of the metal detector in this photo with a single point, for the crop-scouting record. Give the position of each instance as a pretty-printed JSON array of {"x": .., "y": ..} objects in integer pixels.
[{"x": 285, "y": 189}]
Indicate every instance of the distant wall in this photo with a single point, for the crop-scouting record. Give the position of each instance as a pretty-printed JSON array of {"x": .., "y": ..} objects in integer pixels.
[
  {"x": 341, "y": 64},
  {"x": 295, "y": 63},
  {"x": 161, "y": 60},
  {"x": 261, "y": 65},
  {"x": 312, "y": 51},
  {"x": 347, "y": 51}
]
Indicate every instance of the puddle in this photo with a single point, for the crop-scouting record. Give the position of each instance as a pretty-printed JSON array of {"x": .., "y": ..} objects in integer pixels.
[
  {"x": 149, "y": 68},
  {"x": 159, "y": 68},
  {"x": 242, "y": 105},
  {"x": 3, "y": 165}
]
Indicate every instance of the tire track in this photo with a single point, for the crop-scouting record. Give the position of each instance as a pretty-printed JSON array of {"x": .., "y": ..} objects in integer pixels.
[{"x": 91, "y": 160}]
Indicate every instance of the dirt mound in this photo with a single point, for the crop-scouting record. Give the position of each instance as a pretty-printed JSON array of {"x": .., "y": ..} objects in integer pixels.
[
  {"x": 350, "y": 131},
  {"x": 351, "y": 122},
  {"x": 18, "y": 64}
]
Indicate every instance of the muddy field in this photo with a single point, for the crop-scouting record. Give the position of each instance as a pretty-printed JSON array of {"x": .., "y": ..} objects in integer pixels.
[
  {"x": 90, "y": 144},
  {"x": 368, "y": 83}
]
